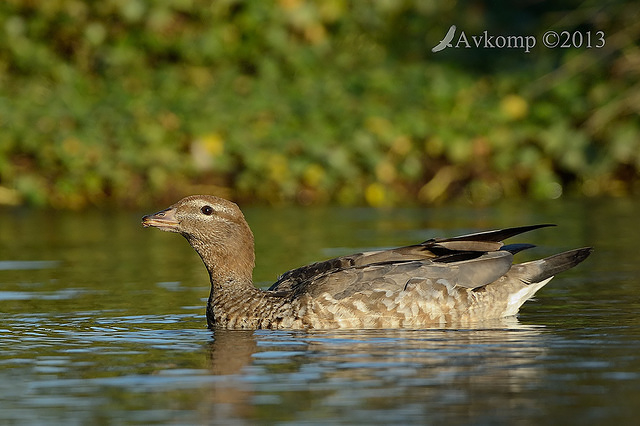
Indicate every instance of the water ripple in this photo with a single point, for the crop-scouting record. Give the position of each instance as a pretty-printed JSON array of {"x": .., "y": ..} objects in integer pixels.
[{"x": 23, "y": 265}]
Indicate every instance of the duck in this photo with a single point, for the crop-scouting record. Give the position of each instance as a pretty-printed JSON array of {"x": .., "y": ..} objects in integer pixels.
[{"x": 457, "y": 281}]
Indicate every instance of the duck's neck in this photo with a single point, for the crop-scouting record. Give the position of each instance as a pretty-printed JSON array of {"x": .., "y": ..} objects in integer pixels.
[
  {"x": 230, "y": 270},
  {"x": 228, "y": 262},
  {"x": 234, "y": 304}
]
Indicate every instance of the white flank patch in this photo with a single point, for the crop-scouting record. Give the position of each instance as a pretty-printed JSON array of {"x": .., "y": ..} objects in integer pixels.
[{"x": 518, "y": 298}]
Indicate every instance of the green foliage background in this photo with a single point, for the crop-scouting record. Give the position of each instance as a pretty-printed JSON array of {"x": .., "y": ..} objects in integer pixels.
[{"x": 131, "y": 101}]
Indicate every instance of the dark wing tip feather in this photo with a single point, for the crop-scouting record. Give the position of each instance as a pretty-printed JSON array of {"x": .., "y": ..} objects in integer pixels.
[
  {"x": 486, "y": 241},
  {"x": 497, "y": 235},
  {"x": 517, "y": 248}
]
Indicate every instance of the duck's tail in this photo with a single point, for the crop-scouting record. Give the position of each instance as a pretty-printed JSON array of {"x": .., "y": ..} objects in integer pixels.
[
  {"x": 539, "y": 270},
  {"x": 529, "y": 277}
]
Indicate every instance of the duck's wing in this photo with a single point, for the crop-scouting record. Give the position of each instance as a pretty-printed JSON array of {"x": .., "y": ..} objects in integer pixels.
[
  {"x": 400, "y": 261},
  {"x": 396, "y": 276}
]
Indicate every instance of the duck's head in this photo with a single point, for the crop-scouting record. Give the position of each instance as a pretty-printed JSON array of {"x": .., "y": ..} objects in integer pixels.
[{"x": 216, "y": 229}]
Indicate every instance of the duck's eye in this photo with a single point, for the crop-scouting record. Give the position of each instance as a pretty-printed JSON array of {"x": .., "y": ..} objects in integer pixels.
[{"x": 208, "y": 210}]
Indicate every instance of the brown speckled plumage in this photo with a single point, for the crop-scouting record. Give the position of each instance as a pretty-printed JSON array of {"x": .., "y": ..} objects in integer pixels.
[{"x": 460, "y": 280}]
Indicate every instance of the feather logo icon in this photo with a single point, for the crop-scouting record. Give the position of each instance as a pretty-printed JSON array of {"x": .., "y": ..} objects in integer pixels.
[{"x": 446, "y": 41}]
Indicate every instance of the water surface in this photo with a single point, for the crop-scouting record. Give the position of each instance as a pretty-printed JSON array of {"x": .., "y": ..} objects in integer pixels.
[{"x": 103, "y": 322}]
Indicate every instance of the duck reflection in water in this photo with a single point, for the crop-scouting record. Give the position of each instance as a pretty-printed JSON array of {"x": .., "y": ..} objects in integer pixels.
[{"x": 333, "y": 369}]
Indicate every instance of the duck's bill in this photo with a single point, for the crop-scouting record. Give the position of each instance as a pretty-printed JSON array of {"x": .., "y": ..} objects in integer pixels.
[{"x": 164, "y": 220}]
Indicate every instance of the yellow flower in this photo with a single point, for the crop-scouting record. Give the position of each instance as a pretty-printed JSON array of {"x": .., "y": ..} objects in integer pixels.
[
  {"x": 514, "y": 107},
  {"x": 214, "y": 144},
  {"x": 205, "y": 149},
  {"x": 376, "y": 195},
  {"x": 313, "y": 175}
]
